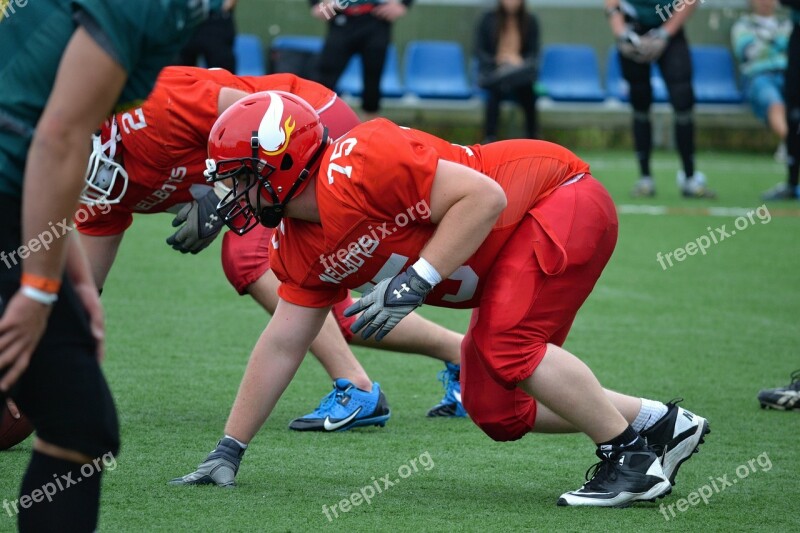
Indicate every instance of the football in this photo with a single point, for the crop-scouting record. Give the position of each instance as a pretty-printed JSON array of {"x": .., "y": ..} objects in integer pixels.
[{"x": 12, "y": 430}]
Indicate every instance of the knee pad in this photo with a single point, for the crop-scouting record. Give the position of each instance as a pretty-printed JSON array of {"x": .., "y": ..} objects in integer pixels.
[
  {"x": 793, "y": 114},
  {"x": 683, "y": 118},
  {"x": 681, "y": 95},
  {"x": 641, "y": 97},
  {"x": 641, "y": 117}
]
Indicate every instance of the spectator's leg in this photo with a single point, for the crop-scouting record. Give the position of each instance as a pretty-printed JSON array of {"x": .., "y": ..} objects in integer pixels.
[
  {"x": 492, "y": 114},
  {"x": 373, "y": 55},
  {"x": 641, "y": 94},
  {"x": 792, "y": 97},
  {"x": 190, "y": 53},
  {"x": 527, "y": 100},
  {"x": 676, "y": 66},
  {"x": 776, "y": 117},
  {"x": 218, "y": 43},
  {"x": 334, "y": 56}
]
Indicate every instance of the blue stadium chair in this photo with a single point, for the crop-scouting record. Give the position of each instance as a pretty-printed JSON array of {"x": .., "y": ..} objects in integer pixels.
[
  {"x": 617, "y": 87},
  {"x": 435, "y": 69},
  {"x": 249, "y": 52},
  {"x": 571, "y": 73},
  {"x": 352, "y": 82},
  {"x": 714, "y": 75},
  {"x": 296, "y": 54},
  {"x": 298, "y": 43}
]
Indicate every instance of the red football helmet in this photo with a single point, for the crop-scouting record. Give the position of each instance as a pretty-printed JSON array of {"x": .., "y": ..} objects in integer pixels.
[
  {"x": 106, "y": 180},
  {"x": 270, "y": 140}
]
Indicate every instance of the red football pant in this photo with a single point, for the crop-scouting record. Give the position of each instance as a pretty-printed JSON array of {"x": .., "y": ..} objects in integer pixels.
[{"x": 541, "y": 278}]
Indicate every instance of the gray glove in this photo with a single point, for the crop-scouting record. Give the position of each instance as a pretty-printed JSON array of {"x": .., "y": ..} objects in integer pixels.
[
  {"x": 219, "y": 468},
  {"x": 201, "y": 224},
  {"x": 628, "y": 45},
  {"x": 387, "y": 303},
  {"x": 653, "y": 44}
]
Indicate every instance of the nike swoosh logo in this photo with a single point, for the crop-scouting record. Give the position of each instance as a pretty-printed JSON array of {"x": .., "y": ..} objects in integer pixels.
[
  {"x": 458, "y": 397},
  {"x": 333, "y": 426}
]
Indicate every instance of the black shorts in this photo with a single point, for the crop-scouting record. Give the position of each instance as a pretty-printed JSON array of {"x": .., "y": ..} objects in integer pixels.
[{"x": 63, "y": 391}]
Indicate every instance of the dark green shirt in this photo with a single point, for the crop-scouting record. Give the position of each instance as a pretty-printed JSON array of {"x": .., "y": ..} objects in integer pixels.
[
  {"x": 648, "y": 13},
  {"x": 143, "y": 36}
]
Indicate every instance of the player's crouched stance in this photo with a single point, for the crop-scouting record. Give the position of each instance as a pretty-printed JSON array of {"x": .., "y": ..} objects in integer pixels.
[{"x": 519, "y": 231}]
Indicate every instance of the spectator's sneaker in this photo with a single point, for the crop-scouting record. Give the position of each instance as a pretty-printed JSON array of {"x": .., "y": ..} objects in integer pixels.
[
  {"x": 622, "y": 477},
  {"x": 695, "y": 187},
  {"x": 676, "y": 437},
  {"x": 783, "y": 398},
  {"x": 644, "y": 188},
  {"x": 450, "y": 406},
  {"x": 346, "y": 407},
  {"x": 219, "y": 468},
  {"x": 781, "y": 191}
]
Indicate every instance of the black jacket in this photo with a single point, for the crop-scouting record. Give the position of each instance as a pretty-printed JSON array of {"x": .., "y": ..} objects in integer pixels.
[{"x": 486, "y": 42}]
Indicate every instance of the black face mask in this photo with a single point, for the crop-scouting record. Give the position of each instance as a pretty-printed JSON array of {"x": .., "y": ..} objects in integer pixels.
[{"x": 235, "y": 208}]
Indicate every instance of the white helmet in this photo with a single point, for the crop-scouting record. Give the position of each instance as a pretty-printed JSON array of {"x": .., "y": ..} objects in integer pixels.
[{"x": 106, "y": 180}]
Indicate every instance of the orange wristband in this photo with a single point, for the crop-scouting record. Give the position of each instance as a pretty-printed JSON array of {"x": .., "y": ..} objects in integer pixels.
[{"x": 40, "y": 282}]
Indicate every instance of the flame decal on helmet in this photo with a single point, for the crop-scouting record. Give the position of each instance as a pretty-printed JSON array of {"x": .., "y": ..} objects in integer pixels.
[{"x": 272, "y": 138}]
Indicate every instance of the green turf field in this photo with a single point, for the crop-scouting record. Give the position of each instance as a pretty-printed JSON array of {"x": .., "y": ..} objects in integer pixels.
[{"x": 713, "y": 329}]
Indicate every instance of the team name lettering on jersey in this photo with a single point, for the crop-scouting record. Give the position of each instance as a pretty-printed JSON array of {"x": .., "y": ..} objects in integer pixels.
[{"x": 171, "y": 185}]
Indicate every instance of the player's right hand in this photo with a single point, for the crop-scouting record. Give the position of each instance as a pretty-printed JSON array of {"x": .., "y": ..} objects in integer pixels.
[
  {"x": 199, "y": 224},
  {"x": 21, "y": 328}
]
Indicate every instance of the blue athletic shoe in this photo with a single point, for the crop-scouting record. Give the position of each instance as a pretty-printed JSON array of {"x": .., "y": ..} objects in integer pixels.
[
  {"x": 346, "y": 407},
  {"x": 451, "y": 403}
]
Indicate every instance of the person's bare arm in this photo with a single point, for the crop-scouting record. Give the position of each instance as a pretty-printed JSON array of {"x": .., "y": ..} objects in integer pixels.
[
  {"x": 87, "y": 85},
  {"x": 273, "y": 363},
  {"x": 616, "y": 20},
  {"x": 674, "y": 23},
  {"x": 227, "y": 97},
  {"x": 465, "y": 205}
]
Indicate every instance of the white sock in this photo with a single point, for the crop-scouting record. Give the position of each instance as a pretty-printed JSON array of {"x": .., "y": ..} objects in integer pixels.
[
  {"x": 650, "y": 413},
  {"x": 240, "y": 443}
]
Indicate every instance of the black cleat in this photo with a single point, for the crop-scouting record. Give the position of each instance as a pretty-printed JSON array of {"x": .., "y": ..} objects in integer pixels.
[
  {"x": 622, "y": 476},
  {"x": 676, "y": 437},
  {"x": 782, "y": 398}
]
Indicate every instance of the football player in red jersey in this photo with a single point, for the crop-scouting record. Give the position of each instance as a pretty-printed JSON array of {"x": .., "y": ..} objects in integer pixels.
[
  {"x": 518, "y": 230},
  {"x": 162, "y": 146}
]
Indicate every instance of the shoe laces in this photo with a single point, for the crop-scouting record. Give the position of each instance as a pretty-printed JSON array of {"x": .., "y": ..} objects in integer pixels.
[
  {"x": 795, "y": 384},
  {"x": 605, "y": 468},
  {"x": 333, "y": 397}
]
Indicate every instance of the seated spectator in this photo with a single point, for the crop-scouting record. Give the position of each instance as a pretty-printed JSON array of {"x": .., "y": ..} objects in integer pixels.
[
  {"x": 507, "y": 47},
  {"x": 760, "y": 40}
]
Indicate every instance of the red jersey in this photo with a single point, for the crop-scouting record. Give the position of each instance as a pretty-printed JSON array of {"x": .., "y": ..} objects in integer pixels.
[
  {"x": 165, "y": 141},
  {"x": 373, "y": 194}
]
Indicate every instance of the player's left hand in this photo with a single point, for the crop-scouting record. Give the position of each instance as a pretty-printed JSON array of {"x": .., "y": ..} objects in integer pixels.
[
  {"x": 653, "y": 44},
  {"x": 201, "y": 224},
  {"x": 387, "y": 303}
]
